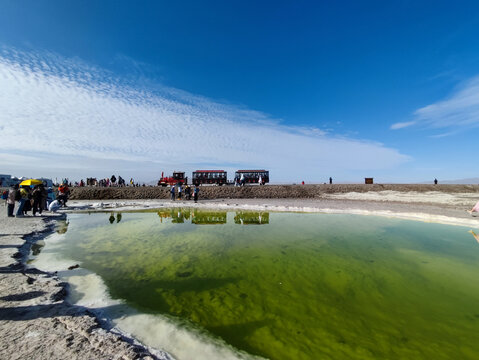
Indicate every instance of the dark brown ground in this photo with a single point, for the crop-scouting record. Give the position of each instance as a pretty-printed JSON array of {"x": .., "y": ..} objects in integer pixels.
[{"x": 262, "y": 192}]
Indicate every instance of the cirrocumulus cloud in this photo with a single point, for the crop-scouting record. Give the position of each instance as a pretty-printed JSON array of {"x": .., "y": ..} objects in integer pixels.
[{"x": 59, "y": 113}]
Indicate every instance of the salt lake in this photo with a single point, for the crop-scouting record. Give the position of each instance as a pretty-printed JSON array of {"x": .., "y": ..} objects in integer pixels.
[{"x": 237, "y": 284}]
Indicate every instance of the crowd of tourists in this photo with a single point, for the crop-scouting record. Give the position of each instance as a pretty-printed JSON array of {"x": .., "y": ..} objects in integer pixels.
[
  {"x": 38, "y": 198},
  {"x": 177, "y": 191},
  {"x": 107, "y": 182},
  {"x": 35, "y": 198}
]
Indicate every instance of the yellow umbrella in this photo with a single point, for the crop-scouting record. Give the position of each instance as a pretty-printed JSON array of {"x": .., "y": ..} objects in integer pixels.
[{"x": 31, "y": 182}]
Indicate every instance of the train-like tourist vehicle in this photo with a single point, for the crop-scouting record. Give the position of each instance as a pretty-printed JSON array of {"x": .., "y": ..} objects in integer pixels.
[
  {"x": 215, "y": 177},
  {"x": 177, "y": 178},
  {"x": 252, "y": 176},
  {"x": 200, "y": 177}
]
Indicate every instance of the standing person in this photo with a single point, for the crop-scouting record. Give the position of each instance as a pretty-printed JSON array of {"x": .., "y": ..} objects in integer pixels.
[
  {"x": 330, "y": 180},
  {"x": 435, "y": 181},
  {"x": 11, "y": 200},
  {"x": 49, "y": 198},
  {"x": 38, "y": 199},
  {"x": 180, "y": 189},
  {"x": 172, "y": 193},
  {"x": 242, "y": 180},
  {"x": 28, "y": 204},
  {"x": 196, "y": 192},
  {"x": 43, "y": 198},
  {"x": 63, "y": 192},
  {"x": 4, "y": 195},
  {"x": 187, "y": 192},
  {"x": 113, "y": 180},
  {"x": 260, "y": 180},
  {"x": 22, "y": 196}
]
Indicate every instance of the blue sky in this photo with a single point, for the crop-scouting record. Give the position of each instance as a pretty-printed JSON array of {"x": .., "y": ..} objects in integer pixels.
[{"x": 306, "y": 89}]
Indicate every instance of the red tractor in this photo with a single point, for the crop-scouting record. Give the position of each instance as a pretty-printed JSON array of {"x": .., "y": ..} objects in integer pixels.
[{"x": 177, "y": 178}]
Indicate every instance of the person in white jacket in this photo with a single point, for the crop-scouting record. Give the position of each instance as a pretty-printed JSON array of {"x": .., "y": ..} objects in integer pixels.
[
  {"x": 54, "y": 206},
  {"x": 11, "y": 200}
]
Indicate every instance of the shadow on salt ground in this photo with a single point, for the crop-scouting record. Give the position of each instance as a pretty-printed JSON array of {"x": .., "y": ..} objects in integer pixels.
[
  {"x": 21, "y": 313},
  {"x": 22, "y": 297},
  {"x": 12, "y": 235},
  {"x": 9, "y": 246},
  {"x": 18, "y": 268}
]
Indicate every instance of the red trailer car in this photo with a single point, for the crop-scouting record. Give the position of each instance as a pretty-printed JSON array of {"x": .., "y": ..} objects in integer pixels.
[{"x": 177, "y": 178}]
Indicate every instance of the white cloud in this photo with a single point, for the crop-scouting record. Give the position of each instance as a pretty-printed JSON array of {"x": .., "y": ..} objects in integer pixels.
[
  {"x": 75, "y": 115},
  {"x": 401, "y": 125},
  {"x": 458, "y": 111},
  {"x": 461, "y": 109},
  {"x": 442, "y": 135}
]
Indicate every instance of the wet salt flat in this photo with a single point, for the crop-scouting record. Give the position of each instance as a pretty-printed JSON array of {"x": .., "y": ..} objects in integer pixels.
[{"x": 216, "y": 284}]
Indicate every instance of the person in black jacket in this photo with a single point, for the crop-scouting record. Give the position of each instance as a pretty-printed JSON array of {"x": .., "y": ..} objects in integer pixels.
[
  {"x": 196, "y": 192},
  {"x": 39, "y": 195}
]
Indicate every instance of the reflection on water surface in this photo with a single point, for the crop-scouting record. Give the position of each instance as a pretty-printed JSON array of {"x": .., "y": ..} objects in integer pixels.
[
  {"x": 204, "y": 217},
  {"x": 251, "y": 218},
  {"x": 307, "y": 286}
]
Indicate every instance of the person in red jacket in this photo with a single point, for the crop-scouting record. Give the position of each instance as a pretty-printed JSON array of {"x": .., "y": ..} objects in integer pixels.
[{"x": 63, "y": 192}]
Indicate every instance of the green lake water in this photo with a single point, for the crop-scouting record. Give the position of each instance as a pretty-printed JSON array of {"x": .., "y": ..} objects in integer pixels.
[{"x": 292, "y": 285}]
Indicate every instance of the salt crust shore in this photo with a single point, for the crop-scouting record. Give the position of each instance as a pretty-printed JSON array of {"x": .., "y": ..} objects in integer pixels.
[{"x": 37, "y": 322}]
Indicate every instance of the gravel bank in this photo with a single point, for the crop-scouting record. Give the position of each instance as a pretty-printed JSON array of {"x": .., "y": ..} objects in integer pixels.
[{"x": 263, "y": 192}]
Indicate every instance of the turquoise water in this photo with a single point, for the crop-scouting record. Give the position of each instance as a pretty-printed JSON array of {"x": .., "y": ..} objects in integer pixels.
[{"x": 291, "y": 285}]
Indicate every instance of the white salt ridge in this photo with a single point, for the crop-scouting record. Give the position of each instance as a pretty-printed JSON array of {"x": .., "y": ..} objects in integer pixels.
[
  {"x": 430, "y": 197},
  {"x": 49, "y": 260}
]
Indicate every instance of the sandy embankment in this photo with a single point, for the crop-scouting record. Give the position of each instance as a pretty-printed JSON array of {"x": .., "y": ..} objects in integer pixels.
[
  {"x": 271, "y": 191},
  {"x": 36, "y": 322}
]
